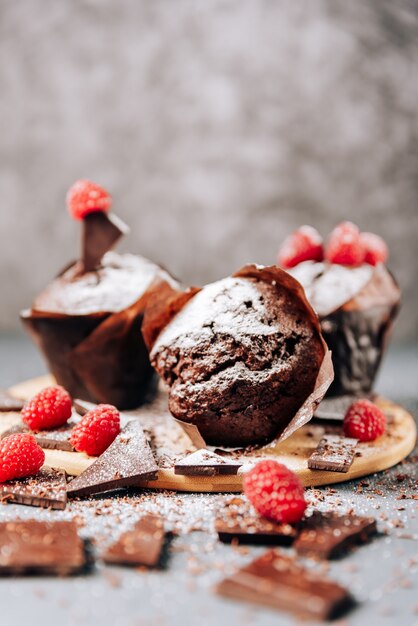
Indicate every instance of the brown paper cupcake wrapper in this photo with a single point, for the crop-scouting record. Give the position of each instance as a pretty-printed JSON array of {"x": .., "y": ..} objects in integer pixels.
[{"x": 100, "y": 357}]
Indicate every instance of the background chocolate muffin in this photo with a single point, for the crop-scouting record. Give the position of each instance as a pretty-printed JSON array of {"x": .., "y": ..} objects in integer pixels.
[
  {"x": 356, "y": 307},
  {"x": 241, "y": 356},
  {"x": 87, "y": 322}
]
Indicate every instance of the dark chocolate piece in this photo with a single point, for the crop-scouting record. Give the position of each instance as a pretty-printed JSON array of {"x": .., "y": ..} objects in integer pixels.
[
  {"x": 47, "y": 489},
  {"x": 327, "y": 535},
  {"x": 279, "y": 582},
  {"x": 142, "y": 545},
  {"x": 101, "y": 231},
  {"x": 254, "y": 530},
  {"x": 32, "y": 547},
  {"x": 356, "y": 308},
  {"x": 206, "y": 463},
  {"x": 333, "y": 453},
  {"x": 56, "y": 439},
  {"x": 335, "y": 407},
  {"x": 82, "y": 406},
  {"x": 9, "y": 402},
  {"x": 126, "y": 462}
]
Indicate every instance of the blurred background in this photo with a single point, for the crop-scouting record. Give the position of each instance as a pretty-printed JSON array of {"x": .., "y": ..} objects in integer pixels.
[{"x": 218, "y": 126}]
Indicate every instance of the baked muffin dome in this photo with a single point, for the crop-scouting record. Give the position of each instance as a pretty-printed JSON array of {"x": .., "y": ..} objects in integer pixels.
[{"x": 241, "y": 356}]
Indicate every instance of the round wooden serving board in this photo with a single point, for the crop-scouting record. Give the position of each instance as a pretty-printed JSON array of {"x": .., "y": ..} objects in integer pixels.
[{"x": 170, "y": 443}]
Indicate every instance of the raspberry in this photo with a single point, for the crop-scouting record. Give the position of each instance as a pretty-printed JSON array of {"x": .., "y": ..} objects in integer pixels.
[
  {"x": 376, "y": 248},
  {"x": 96, "y": 431},
  {"x": 364, "y": 421},
  {"x": 304, "y": 244},
  {"x": 20, "y": 456},
  {"x": 345, "y": 246},
  {"x": 50, "y": 408},
  {"x": 85, "y": 197},
  {"x": 275, "y": 492}
]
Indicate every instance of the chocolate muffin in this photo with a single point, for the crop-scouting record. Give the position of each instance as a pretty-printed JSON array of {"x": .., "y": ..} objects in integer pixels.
[
  {"x": 242, "y": 357},
  {"x": 356, "y": 307},
  {"x": 87, "y": 322}
]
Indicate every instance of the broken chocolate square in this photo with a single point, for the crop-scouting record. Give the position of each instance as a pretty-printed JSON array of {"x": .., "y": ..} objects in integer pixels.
[
  {"x": 142, "y": 545},
  {"x": 206, "y": 463},
  {"x": 328, "y": 535},
  {"x": 334, "y": 453},
  {"x": 47, "y": 489},
  {"x": 126, "y": 462}
]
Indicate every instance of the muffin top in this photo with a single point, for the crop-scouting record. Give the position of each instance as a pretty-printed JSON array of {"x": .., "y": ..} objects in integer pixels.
[
  {"x": 119, "y": 281},
  {"x": 330, "y": 287}
]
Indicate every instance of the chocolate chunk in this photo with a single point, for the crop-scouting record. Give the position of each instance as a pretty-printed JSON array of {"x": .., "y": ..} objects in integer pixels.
[
  {"x": 47, "y": 489},
  {"x": 56, "y": 439},
  {"x": 142, "y": 545},
  {"x": 254, "y": 530},
  {"x": 82, "y": 406},
  {"x": 279, "y": 582},
  {"x": 205, "y": 463},
  {"x": 334, "y": 454},
  {"x": 32, "y": 547},
  {"x": 101, "y": 231},
  {"x": 327, "y": 535},
  {"x": 335, "y": 408},
  {"x": 9, "y": 402},
  {"x": 127, "y": 461}
]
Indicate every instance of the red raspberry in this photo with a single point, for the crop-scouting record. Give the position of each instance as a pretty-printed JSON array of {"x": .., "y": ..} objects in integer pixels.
[
  {"x": 96, "y": 431},
  {"x": 376, "y": 248},
  {"x": 275, "y": 492},
  {"x": 20, "y": 456},
  {"x": 364, "y": 421},
  {"x": 304, "y": 244},
  {"x": 345, "y": 246},
  {"x": 85, "y": 197},
  {"x": 50, "y": 408}
]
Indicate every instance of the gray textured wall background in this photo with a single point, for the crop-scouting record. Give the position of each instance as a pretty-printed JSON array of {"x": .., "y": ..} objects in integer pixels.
[{"x": 218, "y": 126}]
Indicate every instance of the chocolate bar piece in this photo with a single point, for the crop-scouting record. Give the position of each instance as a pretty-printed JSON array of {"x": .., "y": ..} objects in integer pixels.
[
  {"x": 142, "y": 545},
  {"x": 334, "y": 454},
  {"x": 47, "y": 489},
  {"x": 126, "y": 461},
  {"x": 32, "y": 547},
  {"x": 254, "y": 530},
  {"x": 327, "y": 535},
  {"x": 335, "y": 407},
  {"x": 56, "y": 439},
  {"x": 9, "y": 403},
  {"x": 101, "y": 231},
  {"x": 279, "y": 582},
  {"x": 205, "y": 463}
]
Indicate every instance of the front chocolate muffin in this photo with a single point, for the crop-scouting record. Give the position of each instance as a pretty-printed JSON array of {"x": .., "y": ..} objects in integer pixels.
[{"x": 241, "y": 357}]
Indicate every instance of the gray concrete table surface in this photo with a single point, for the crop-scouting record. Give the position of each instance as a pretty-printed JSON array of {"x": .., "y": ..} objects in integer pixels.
[{"x": 383, "y": 575}]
